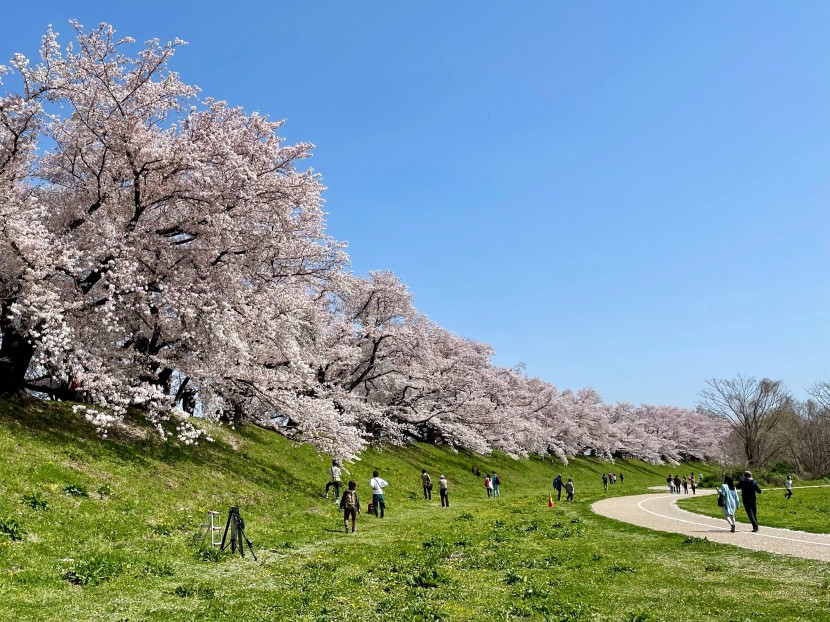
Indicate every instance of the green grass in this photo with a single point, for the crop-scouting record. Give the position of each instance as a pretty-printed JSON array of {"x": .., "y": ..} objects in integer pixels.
[
  {"x": 807, "y": 510},
  {"x": 124, "y": 551}
]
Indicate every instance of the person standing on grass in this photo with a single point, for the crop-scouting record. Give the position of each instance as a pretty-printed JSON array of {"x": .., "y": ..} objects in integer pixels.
[
  {"x": 442, "y": 489},
  {"x": 569, "y": 489},
  {"x": 692, "y": 482},
  {"x": 621, "y": 478},
  {"x": 749, "y": 488},
  {"x": 496, "y": 482},
  {"x": 427, "y": 482},
  {"x": 334, "y": 480},
  {"x": 557, "y": 486},
  {"x": 378, "y": 484},
  {"x": 488, "y": 486},
  {"x": 729, "y": 496},
  {"x": 350, "y": 504},
  {"x": 788, "y": 484},
  {"x": 605, "y": 482}
]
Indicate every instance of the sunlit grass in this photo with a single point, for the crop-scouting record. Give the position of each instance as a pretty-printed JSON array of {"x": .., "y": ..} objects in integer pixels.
[{"x": 124, "y": 551}]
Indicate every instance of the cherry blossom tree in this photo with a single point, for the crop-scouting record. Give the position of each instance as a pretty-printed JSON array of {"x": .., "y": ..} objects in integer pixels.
[{"x": 161, "y": 248}]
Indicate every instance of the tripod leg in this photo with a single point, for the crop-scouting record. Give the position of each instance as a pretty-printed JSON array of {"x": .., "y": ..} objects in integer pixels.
[
  {"x": 240, "y": 534},
  {"x": 249, "y": 543},
  {"x": 227, "y": 526},
  {"x": 235, "y": 532}
]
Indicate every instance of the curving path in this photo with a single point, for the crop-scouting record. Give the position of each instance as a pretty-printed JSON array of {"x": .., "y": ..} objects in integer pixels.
[{"x": 659, "y": 511}]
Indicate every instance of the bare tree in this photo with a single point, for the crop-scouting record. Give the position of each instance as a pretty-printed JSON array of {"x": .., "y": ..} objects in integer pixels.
[
  {"x": 754, "y": 409},
  {"x": 811, "y": 439},
  {"x": 821, "y": 393}
]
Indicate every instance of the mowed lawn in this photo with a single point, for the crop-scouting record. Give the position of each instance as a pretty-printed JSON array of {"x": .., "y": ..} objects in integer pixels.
[
  {"x": 103, "y": 530},
  {"x": 807, "y": 510}
]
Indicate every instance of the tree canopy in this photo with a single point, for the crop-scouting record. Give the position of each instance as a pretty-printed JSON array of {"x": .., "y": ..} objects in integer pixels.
[{"x": 166, "y": 251}]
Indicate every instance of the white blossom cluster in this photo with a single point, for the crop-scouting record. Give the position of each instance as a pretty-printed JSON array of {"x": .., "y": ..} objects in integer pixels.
[{"x": 160, "y": 251}]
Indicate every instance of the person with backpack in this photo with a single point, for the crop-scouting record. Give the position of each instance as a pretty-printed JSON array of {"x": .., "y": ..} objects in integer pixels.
[
  {"x": 442, "y": 488},
  {"x": 496, "y": 481},
  {"x": 334, "y": 480},
  {"x": 350, "y": 504},
  {"x": 378, "y": 484},
  {"x": 427, "y": 482}
]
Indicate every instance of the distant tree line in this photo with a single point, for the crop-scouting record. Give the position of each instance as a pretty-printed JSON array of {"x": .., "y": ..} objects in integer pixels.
[{"x": 768, "y": 426}]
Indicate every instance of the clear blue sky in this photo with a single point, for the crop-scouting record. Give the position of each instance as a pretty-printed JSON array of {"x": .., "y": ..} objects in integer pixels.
[{"x": 632, "y": 196}]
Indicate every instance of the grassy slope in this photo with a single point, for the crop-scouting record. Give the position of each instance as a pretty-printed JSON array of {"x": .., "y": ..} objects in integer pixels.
[
  {"x": 807, "y": 510},
  {"x": 512, "y": 558}
]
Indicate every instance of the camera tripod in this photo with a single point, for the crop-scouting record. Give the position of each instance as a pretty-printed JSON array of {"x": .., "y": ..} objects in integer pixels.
[{"x": 236, "y": 525}]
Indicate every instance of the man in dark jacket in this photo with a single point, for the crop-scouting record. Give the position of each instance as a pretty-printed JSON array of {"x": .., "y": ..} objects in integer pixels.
[
  {"x": 557, "y": 484},
  {"x": 749, "y": 487}
]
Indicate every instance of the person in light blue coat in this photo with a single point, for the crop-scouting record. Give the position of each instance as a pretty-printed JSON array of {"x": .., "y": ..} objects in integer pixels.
[{"x": 731, "y": 503}]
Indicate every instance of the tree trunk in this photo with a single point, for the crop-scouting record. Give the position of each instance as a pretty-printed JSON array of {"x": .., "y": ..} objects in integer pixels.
[{"x": 15, "y": 356}]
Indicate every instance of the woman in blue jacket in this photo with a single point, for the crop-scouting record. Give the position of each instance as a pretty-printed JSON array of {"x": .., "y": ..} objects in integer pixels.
[{"x": 731, "y": 503}]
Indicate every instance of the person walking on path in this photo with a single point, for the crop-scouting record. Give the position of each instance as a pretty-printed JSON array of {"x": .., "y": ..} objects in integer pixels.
[
  {"x": 557, "y": 486},
  {"x": 788, "y": 484},
  {"x": 442, "y": 489},
  {"x": 692, "y": 482},
  {"x": 729, "y": 496},
  {"x": 350, "y": 504},
  {"x": 496, "y": 482},
  {"x": 749, "y": 488},
  {"x": 685, "y": 486},
  {"x": 677, "y": 484},
  {"x": 569, "y": 489},
  {"x": 334, "y": 480},
  {"x": 605, "y": 482},
  {"x": 378, "y": 484},
  {"x": 427, "y": 482}
]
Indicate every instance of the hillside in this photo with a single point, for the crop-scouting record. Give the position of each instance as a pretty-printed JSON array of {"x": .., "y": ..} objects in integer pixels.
[{"x": 114, "y": 540}]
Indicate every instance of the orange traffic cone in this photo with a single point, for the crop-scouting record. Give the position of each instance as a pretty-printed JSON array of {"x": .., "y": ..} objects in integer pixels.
[{"x": 550, "y": 501}]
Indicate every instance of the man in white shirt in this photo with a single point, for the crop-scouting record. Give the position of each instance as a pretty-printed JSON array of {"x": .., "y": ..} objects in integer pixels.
[{"x": 378, "y": 484}]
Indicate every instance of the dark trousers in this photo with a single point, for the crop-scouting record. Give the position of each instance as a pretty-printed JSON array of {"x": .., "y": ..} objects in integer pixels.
[
  {"x": 750, "y": 512},
  {"x": 336, "y": 489},
  {"x": 445, "y": 500},
  {"x": 559, "y": 494},
  {"x": 380, "y": 505},
  {"x": 788, "y": 494},
  {"x": 427, "y": 491}
]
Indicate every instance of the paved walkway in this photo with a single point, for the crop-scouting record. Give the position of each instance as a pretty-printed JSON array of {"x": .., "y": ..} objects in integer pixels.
[{"x": 659, "y": 511}]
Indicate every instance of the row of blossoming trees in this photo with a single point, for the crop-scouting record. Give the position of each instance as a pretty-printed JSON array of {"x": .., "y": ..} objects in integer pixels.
[{"x": 160, "y": 249}]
